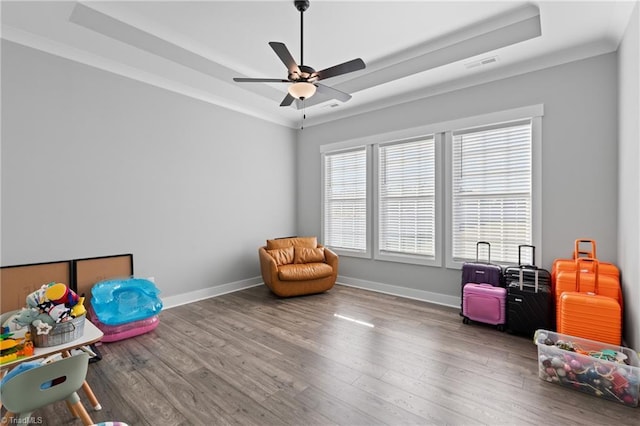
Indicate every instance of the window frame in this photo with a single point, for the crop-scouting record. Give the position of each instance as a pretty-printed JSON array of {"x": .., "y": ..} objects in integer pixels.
[
  {"x": 443, "y": 135},
  {"x": 417, "y": 259},
  {"x": 536, "y": 182},
  {"x": 366, "y": 253}
]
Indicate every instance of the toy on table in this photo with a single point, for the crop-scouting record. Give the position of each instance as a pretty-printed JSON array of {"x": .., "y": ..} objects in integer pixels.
[
  {"x": 48, "y": 307},
  {"x": 19, "y": 322},
  {"x": 12, "y": 348},
  {"x": 51, "y": 304},
  {"x": 78, "y": 309},
  {"x": 8, "y": 348},
  {"x": 55, "y": 299},
  {"x": 27, "y": 346},
  {"x": 60, "y": 294}
]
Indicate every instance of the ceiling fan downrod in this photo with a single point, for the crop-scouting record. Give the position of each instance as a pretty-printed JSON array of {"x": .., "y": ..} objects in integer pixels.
[{"x": 301, "y": 5}]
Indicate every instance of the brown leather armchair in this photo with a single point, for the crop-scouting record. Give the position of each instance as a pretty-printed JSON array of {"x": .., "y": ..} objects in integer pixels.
[{"x": 297, "y": 265}]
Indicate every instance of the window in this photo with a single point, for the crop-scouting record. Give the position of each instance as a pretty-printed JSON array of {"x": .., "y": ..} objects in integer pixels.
[
  {"x": 426, "y": 195},
  {"x": 406, "y": 202},
  {"x": 345, "y": 201},
  {"x": 491, "y": 190}
]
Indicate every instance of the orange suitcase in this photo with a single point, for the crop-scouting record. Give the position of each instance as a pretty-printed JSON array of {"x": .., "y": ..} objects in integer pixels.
[
  {"x": 590, "y": 316},
  {"x": 580, "y": 251},
  {"x": 584, "y": 277}
]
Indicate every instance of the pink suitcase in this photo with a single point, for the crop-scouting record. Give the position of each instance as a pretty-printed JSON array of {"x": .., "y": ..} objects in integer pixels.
[{"x": 484, "y": 303}]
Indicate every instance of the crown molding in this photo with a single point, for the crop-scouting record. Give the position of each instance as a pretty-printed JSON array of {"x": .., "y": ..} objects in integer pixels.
[{"x": 84, "y": 57}]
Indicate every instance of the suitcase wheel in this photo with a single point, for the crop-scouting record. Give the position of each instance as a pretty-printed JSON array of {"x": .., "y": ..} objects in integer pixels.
[
  {"x": 465, "y": 320},
  {"x": 500, "y": 327}
]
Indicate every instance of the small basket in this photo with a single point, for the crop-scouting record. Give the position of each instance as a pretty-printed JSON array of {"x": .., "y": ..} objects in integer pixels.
[{"x": 61, "y": 333}]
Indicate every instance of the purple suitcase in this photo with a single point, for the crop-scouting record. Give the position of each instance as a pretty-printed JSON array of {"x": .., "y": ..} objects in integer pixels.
[
  {"x": 478, "y": 272},
  {"x": 484, "y": 303}
]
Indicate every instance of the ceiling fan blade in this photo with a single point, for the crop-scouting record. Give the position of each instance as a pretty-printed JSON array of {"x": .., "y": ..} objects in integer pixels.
[
  {"x": 344, "y": 68},
  {"x": 288, "y": 100},
  {"x": 285, "y": 56},
  {"x": 333, "y": 93},
  {"x": 259, "y": 80}
]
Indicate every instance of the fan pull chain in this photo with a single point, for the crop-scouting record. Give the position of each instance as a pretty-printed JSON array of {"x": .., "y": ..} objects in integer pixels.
[{"x": 304, "y": 114}]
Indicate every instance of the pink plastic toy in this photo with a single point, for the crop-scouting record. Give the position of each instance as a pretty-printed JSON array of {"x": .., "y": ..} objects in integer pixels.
[{"x": 113, "y": 333}]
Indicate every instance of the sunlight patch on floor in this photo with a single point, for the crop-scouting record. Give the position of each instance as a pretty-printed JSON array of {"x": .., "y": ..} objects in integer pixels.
[{"x": 353, "y": 320}]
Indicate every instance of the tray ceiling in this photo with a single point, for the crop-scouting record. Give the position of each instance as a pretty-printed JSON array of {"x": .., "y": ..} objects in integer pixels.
[{"x": 412, "y": 49}]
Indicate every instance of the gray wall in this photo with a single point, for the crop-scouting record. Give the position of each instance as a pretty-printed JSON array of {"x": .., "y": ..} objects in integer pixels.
[
  {"x": 97, "y": 164},
  {"x": 629, "y": 177},
  {"x": 579, "y": 157}
]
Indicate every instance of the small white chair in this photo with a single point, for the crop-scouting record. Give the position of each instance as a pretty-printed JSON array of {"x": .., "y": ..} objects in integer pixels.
[{"x": 27, "y": 391}]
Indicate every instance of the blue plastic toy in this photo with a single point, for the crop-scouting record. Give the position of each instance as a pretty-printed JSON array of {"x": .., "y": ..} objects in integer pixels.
[{"x": 121, "y": 301}]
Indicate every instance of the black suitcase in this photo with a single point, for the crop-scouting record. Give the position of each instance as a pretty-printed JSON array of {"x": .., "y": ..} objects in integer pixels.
[
  {"x": 529, "y": 303},
  {"x": 512, "y": 273},
  {"x": 481, "y": 273}
]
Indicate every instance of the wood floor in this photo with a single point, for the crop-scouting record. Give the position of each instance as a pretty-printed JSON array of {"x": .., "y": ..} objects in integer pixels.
[{"x": 249, "y": 358}]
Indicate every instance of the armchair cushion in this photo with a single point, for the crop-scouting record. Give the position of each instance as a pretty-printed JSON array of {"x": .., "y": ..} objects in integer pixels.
[
  {"x": 309, "y": 242},
  {"x": 282, "y": 256},
  {"x": 308, "y": 271},
  {"x": 308, "y": 255}
]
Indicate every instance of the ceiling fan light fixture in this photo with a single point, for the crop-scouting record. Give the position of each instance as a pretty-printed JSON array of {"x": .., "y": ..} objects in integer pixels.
[
  {"x": 302, "y": 90},
  {"x": 304, "y": 78}
]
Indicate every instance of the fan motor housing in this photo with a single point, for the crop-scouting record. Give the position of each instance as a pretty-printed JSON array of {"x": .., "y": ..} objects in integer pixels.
[
  {"x": 306, "y": 74},
  {"x": 301, "y": 5}
]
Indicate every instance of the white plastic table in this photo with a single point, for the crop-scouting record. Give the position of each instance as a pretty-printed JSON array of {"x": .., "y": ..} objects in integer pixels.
[{"x": 91, "y": 334}]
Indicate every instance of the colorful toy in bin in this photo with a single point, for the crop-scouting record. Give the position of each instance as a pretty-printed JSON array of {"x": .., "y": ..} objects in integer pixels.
[
  {"x": 57, "y": 300},
  {"x": 60, "y": 294},
  {"x": 596, "y": 368},
  {"x": 78, "y": 309},
  {"x": 19, "y": 321},
  {"x": 121, "y": 301},
  {"x": 55, "y": 313},
  {"x": 37, "y": 298}
]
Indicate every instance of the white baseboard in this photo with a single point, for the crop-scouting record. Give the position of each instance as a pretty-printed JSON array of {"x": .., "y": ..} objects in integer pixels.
[
  {"x": 410, "y": 293},
  {"x": 194, "y": 296}
]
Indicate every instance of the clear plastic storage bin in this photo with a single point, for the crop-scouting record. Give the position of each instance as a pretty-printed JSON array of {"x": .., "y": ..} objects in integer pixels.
[{"x": 600, "y": 369}]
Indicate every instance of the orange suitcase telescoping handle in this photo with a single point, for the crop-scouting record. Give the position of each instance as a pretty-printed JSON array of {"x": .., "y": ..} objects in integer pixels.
[
  {"x": 579, "y": 251},
  {"x": 594, "y": 269}
]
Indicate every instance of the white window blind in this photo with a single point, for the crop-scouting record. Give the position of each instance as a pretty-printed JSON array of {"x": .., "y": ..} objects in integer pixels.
[
  {"x": 345, "y": 200},
  {"x": 406, "y": 198},
  {"x": 492, "y": 190}
]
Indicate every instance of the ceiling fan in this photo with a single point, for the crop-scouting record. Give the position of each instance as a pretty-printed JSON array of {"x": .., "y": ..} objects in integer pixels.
[{"x": 303, "y": 78}]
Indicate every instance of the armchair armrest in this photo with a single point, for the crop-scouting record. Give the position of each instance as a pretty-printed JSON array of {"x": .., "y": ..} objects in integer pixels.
[
  {"x": 332, "y": 259},
  {"x": 268, "y": 266}
]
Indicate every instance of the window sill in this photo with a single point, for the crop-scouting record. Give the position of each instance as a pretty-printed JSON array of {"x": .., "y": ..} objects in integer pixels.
[{"x": 408, "y": 258}]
